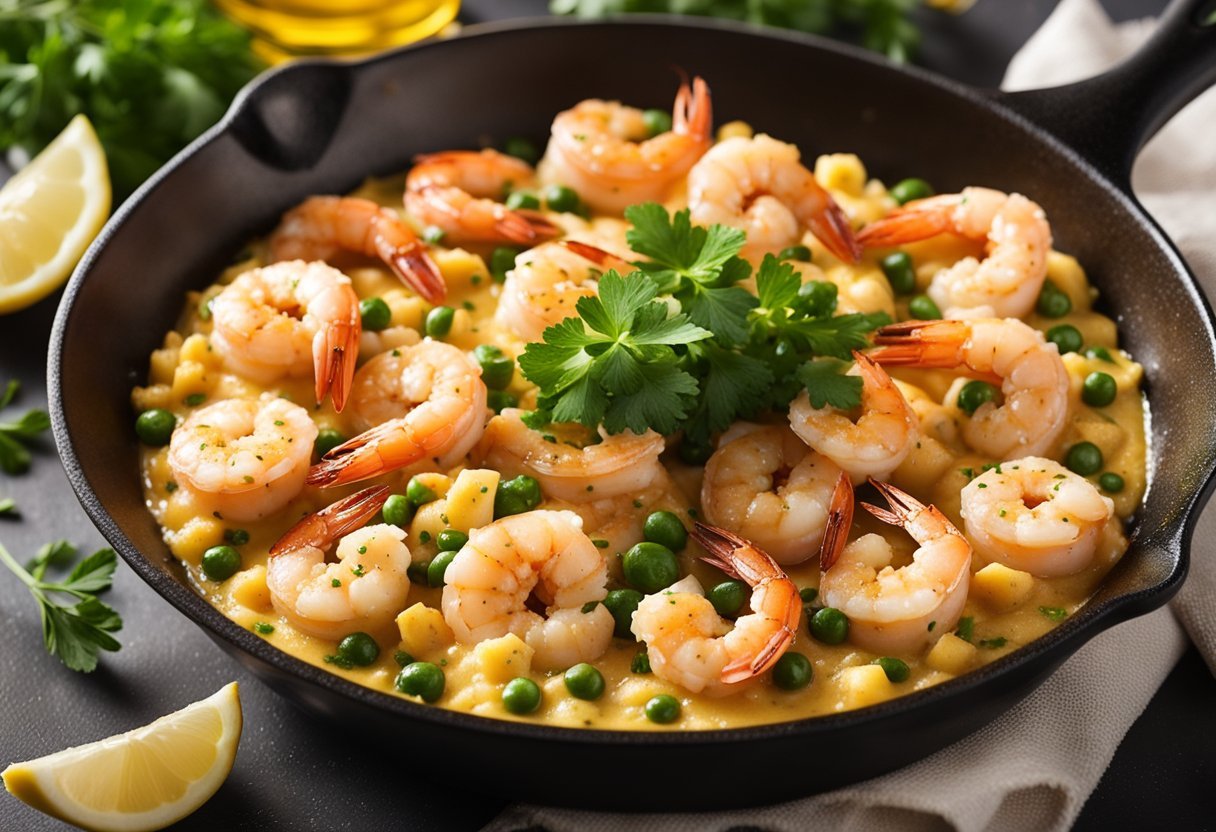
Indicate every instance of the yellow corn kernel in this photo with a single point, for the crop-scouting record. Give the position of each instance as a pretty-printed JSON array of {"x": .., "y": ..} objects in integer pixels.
[
  {"x": 502, "y": 659},
  {"x": 1000, "y": 587},
  {"x": 735, "y": 130},
  {"x": 470, "y": 502},
  {"x": 863, "y": 685},
  {"x": 841, "y": 172},
  {"x": 249, "y": 588},
  {"x": 951, "y": 654},
  {"x": 423, "y": 630}
]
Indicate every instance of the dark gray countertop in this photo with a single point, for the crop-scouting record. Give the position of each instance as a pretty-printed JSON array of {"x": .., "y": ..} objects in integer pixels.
[{"x": 299, "y": 773}]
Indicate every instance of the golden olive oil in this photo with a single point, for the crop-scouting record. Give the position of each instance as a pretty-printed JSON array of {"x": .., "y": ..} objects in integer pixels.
[{"x": 288, "y": 28}]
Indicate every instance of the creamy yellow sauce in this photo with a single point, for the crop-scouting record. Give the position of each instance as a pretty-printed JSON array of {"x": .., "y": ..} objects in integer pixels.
[{"x": 186, "y": 367}]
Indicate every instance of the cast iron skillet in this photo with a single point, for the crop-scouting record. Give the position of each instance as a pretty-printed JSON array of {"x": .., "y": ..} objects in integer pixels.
[{"x": 320, "y": 127}]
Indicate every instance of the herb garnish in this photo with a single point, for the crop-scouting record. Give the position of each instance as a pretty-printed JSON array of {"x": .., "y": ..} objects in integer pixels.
[
  {"x": 76, "y": 631},
  {"x": 679, "y": 345},
  {"x": 14, "y": 456}
]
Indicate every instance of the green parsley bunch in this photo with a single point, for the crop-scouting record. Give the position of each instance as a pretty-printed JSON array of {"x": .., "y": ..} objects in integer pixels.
[{"x": 678, "y": 345}]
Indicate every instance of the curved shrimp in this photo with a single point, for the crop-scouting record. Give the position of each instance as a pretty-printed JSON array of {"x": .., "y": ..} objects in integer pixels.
[
  {"x": 243, "y": 458},
  {"x": 600, "y": 149},
  {"x": 1006, "y": 283},
  {"x": 321, "y": 226},
  {"x": 894, "y": 611},
  {"x": 622, "y": 463},
  {"x": 1035, "y": 515},
  {"x": 290, "y": 319},
  {"x": 871, "y": 443},
  {"x": 489, "y": 582},
  {"x": 362, "y": 591},
  {"x": 1006, "y": 352},
  {"x": 758, "y": 185},
  {"x": 455, "y": 191},
  {"x": 546, "y": 283},
  {"x": 691, "y": 646},
  {"x": 440, "y": 389},
  {"x": 767, "y": 486}
]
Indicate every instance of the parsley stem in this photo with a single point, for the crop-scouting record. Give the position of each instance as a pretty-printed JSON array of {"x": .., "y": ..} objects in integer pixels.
[{"x": 18, "y": 570}]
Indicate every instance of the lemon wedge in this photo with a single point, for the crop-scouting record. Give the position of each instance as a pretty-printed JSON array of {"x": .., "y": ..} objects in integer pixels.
[
  {"x": 49, "y": 213},
  {"x": 141, "y": 780}
]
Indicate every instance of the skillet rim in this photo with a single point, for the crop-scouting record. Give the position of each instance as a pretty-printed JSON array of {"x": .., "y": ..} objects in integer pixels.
[{"x": 1059, "y": 643}]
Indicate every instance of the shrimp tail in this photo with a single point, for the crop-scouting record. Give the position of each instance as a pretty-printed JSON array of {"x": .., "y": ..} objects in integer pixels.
[
  {"x": 414, "y": 266},
  {"x": 927, "y": 344},
  {"x": 376, "y": 451},
  {"x": 335, "y": 353},
  {"x": 692, "y": 114},
  {"x": 903, "y": 504},
  {"x": 598, "y": 256},
  {"x": 335, "y": 520},
  {"x": 839, "y": 522},
  {"x": 905, "y": 226},
  {"x": 831, "y": 227}
]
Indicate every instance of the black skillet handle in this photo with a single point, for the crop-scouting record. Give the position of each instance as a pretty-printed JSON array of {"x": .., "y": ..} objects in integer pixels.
[{"x": 1108, "y": 118}]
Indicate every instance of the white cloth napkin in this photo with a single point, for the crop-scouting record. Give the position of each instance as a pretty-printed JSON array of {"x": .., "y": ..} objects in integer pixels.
[{"x": 1034, "y": 767}]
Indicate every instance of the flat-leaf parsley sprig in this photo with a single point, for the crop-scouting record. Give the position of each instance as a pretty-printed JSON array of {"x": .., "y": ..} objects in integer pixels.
[
  {"x": 679, "y": 345},
  {"x": 76, "y": 630},
  {"x": 14, "y": 456}
]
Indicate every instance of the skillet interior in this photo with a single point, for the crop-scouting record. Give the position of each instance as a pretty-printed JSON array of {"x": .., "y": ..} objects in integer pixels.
[{"x": 320, "y": 128}]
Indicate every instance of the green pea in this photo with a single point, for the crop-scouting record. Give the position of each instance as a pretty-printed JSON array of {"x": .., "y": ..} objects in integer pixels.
[
  {"x": 375, "y": 314},
  {"x": 907, "y": 190},
  {"x": 663, "y": 709},
  {"x": 515, "y": 496},
  {"x": 808, "y": 594},
  {"x": 820, "y": 295},
  {"x": 402, "y": 658},
  {"x": 1052, "y": 302},
  {"x": 397, "y": 511},
  {"x": 236, "y": 537},
  {"x": 640, "y": 663},
  {"x": 793, "y": 671},
  {"x": 419, "y": 494},
  {"x": 419, "y": 572},
  {"x": 650, "y": 567},
  {"x": 1101, "y": 353},
  {"x": 1098, "y": 389},
  {"x": 497, "y": 369},
  {"x": 522, "y": 201},
  {"x": 800, "y": 253},
  {"x": 830, "y": 625},
  {"x": 584, "y": 682},
  {"x": 1066, "y": 337},
  {"x": 521, "y": 695},
  {"x": 974, "y": 394},
  {"x": 896, "y": 669},
  {"x": 665, "y": 528},
  {"x": 695, "y": 453},
  {"x": 502, "y": 260},
  {"x": 433, "y": 235},
  {"x": 438, "y": 567},
  {"x": 656, "y": 121},
  {"x": 899, "y": 271},
  {"x": 439, "y": 321},
  {"x": 421, "y": 679},
  {"x": 327, "y": 440},
  {"x": 155, "y": 427},
  {"x": 521, "y": 148},
  {"x": 221, "y": 562},
  {"x": 359, "y": 649},
  {"x": 1084, "y": 458},
  {"x": 728, "y": 597},
  {"x": 499, "y": 400},
  {"x": 1110, "y": 482},
  {"x": 561, "y": 199},
  {"x": 451, "y": 540},
  {"x": 622, "y": 603},
  {"x": 923, "y": 308}
]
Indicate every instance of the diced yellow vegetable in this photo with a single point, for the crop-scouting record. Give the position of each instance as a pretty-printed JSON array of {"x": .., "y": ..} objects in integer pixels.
[
  {"x": 1066, "y": 273},
  {"x": 198, "y": 348},
  {"x": 189, "y": 378},
  {"x": 502, "y": 659},
  {"x": 1001, "y": 588},
  {"x": 864, "y": 685},
  {"x": 423, "y": 630},
  {"x": 841, "y": 172},
  {"x": 470, "y": 502},
  {"x": 952, "y": 655},
  {"x": 249, "y": 588},
  {"x": 460, "y": 268},
  {"x": 735, "y": 130},
  {"x": 427, "y": 523},
  {"x": 196, "y": 536}
]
